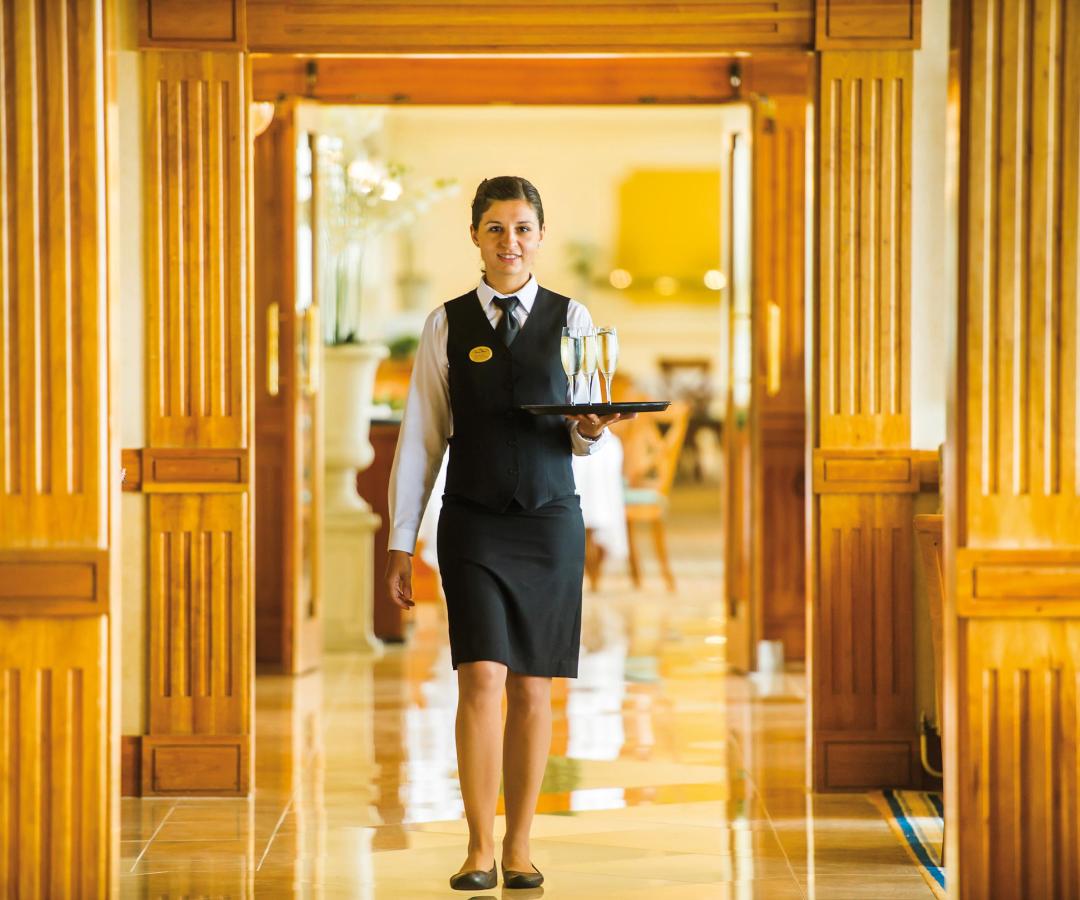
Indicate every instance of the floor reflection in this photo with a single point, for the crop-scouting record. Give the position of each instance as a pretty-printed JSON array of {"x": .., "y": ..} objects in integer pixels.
[{"x": 668, "y": 778}]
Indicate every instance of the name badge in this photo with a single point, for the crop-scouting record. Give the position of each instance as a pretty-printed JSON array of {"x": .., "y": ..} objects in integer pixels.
[{"x": 480, "y": 354}]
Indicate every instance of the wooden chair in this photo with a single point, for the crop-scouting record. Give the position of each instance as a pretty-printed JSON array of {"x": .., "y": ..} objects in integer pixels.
[{"x": 651, "y": 446}]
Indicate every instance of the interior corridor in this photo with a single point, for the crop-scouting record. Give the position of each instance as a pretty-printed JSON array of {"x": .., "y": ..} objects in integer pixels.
[{"x": 667, "y": 779}]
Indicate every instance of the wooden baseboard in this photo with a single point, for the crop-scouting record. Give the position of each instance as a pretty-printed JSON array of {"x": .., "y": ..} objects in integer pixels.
[
  {"x": 856, "y": 764},
  {"x": 202, "y": 765},
  {"x": 130, "y": 765}
]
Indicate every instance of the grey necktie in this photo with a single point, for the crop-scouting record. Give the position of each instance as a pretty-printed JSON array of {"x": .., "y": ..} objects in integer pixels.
[{"x": 508, "y": 326}]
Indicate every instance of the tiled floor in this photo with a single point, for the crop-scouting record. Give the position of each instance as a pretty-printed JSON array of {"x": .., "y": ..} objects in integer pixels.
[{"x": 668, "y": 779}]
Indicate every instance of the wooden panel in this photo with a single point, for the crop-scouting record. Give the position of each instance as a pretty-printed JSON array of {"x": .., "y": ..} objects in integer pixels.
[
  {"x": 544, "y": 26},
  {"x": 192, "y": 23},
  {"x": 778, "y": 539},
  {"x": 1021, "y": 259},
  {"x": 859, "y": 765},
  {"x": 1012, "y": 615},
  {"x": 54, "y": 582},
  {"x": 54, "y": 809},
  {"x": 131, "y": 765},
  {"x": 199, "y": 764},
  {"x": 197, "y": 571},
  {"x": 868, "y": 24},
  {"x": 1019, "y": 733},
  {"x": 611, "y": 80},
  {"x": 864, "y": 214},
  {"x": 131, "y": 466},
  {"x": 372, "y": 484},
  {"x": 782, "y": 560},
  {"x": 865, "y": 471},
  {"x": 53, "y": 348},
  {"x": 196, "y": 249},
  {"x": 1028, "y": 583},
  {"x": 866, "y": 672}
]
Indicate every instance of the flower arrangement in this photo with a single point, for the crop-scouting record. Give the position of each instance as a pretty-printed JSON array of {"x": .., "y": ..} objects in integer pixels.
[{"x": 361, "y": 201}]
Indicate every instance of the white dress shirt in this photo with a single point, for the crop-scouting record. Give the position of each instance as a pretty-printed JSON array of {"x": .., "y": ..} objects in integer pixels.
[{"x": 428, "y": 424}]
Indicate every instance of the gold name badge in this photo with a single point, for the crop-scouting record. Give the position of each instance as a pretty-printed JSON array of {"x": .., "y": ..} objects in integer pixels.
[{"x": 480, "y": 354}]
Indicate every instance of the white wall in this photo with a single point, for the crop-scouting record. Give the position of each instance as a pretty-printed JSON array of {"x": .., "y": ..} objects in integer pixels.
[
  {"x": 129, "y": 356},
  {"x": 577, "y": 157},
  {"x": 931, "y": 276}
]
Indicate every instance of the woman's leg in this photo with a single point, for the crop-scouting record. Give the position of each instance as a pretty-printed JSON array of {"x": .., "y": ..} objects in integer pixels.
[
  {"x": 525, "y": 753},
  {"x": 479, "y": 752}
]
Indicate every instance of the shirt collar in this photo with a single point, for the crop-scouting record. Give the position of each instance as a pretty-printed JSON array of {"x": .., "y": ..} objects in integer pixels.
[{"x": 526, "y": 295}]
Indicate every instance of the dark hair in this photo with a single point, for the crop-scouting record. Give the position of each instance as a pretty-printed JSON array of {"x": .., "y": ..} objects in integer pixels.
[{"x": 505, "y": 187}]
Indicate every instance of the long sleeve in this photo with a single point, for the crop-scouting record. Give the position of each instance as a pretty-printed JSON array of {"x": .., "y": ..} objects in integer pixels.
[{"x": 424, "y": 432}]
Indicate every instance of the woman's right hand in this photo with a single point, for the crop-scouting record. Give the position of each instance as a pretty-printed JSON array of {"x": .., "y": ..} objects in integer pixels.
[{"x": 399, "y": 578}]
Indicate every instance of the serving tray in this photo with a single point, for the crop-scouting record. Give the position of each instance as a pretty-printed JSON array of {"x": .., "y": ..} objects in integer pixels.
[{"x": 598, "y": 409}]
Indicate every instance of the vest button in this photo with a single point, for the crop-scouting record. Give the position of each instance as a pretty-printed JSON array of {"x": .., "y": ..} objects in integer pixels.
[{"x": 511, "y": 471}]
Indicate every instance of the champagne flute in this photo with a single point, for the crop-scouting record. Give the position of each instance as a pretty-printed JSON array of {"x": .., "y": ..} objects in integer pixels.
[
  {"x": 608, "y": 346},
  {"x": 571, "y": 351},
  {"x": 589, "y": 357}
]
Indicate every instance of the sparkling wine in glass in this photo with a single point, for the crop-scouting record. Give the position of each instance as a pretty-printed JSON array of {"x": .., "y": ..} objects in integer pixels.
[
  {"x": 589, "y": 357},
  {"x": 571, "y": 349},
  {"x": 607, "y": 341}
]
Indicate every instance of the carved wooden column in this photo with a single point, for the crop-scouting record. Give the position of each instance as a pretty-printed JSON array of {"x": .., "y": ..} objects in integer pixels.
[
  {"x": 864, "y": 729},
  {"x": 57, "y": 475},
  {"x": 1013, "y": 529},
  {"x": 196, "y": 468}
]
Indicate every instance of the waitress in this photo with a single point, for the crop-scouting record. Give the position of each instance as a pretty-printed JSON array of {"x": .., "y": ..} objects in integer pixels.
[{"x": 511, "y": 541}]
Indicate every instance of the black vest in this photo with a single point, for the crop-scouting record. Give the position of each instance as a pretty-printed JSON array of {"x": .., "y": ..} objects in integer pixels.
[{"x": 498, "y": 452}]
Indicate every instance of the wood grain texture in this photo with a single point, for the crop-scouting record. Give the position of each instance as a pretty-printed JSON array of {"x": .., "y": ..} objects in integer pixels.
[
  {"x": 778, "y": 418},
  {"x": 1017, "y": 728},
  {"x": 611, "y": 80},
  {"x": 864, "y": 221},
  {"x": 1021, "y": 258},
  {"x": 544, "y": 26},
  {"x": 207, "y": 765},
  {"x": 63, "y": 582},
  {"x": 53, "y": 347},
  {"x": 1012, "y": 612},
  {"x": 196, "y": 249},
  {"x": 54, "y": 809},
  {"x": 868, "y": 24},
  {"x": 211, "y": 24},
  {"x": 197, "y": 571}
]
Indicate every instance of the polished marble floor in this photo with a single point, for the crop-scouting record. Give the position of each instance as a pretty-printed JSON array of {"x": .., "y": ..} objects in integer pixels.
[{"x": 669, "y": 779}]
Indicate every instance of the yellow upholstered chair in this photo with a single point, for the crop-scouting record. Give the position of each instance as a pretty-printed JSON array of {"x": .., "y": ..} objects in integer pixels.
[{"x": 651, "y": 446}]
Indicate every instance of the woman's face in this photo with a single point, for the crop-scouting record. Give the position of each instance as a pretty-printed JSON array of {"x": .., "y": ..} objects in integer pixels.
[{"x": 508, "y": 237}]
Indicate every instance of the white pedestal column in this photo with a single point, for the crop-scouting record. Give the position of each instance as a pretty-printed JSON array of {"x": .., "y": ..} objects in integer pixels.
[
  {"x": 349, "y": 586},
  {"x": 349, "y": 525}
]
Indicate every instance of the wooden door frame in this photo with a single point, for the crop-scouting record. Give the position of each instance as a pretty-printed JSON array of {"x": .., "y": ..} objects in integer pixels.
[{"x": 648, "y": 58}]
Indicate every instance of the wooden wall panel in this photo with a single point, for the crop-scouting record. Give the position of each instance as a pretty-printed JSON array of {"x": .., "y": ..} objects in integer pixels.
[
  {"x": 451, "y": 26},
  {"x": 864, "y": 210},
  {"x": 197, "y": 571},
  {"x": 525, "y": 81},
  {"x": 197, "y": 327},
  {"x": 56, "y": 488},
  {"x": 1013, "y": 546},
  {"x": 54, "y": 757},
  {"x": 779, "y": 402},
  {"x": 196, "y": 469},
  {"x": 866, "y": 24},
  {"x": 864, "y": 723},
  {"x": 53, "y": 347}
]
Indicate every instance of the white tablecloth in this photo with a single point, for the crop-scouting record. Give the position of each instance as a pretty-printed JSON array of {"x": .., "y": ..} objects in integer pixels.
[{"x": 599, "y": 481}]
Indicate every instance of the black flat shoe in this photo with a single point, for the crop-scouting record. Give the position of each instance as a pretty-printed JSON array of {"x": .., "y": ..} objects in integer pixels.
[
  {"x": 475, "y": 881},
  {"x": 522, "y": 880}
]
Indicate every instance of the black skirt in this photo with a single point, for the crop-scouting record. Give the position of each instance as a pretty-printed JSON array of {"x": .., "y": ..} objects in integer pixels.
[{"x": 513, "y": 584}]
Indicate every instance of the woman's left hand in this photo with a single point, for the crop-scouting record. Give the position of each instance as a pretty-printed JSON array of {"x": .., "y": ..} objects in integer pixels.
[{"x": 592, "y": 425}]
